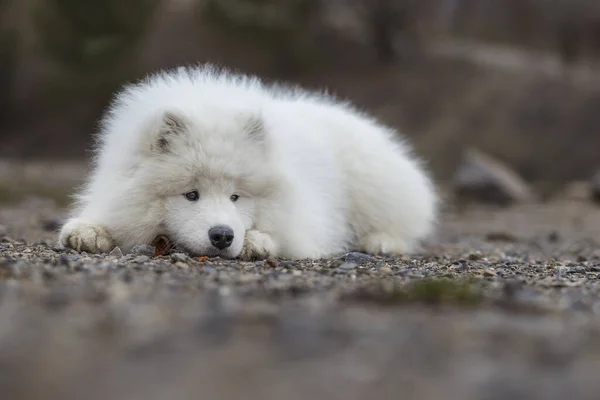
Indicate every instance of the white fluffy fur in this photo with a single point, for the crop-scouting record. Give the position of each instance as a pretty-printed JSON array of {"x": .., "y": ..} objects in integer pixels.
[{"x": 315, "y": 176}]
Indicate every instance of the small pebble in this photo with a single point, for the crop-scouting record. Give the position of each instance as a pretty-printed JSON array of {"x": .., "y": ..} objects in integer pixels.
[
  {"x": 348, "y": 266},
  {"x": 143, "y": 250},
  {"x": 288, "y": 264},
  {"x": 178, "y": 257},
  {"x": 116, "y": 252},
  {"x": 271, "y": 262},
  {"x": 357, "y": 258},
  {"x": 385, "y": 270},
  {"x": 563, "y": 269},
  {"x": 141, "y": 259},
  {"x": 489, "y": 272}
]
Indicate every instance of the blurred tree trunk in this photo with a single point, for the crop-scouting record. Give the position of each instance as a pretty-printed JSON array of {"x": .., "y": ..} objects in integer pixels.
[
  {"x": 382, "y": 23},
  {"x": 285, "y": 28},
  {"x": 390, "y": 22},
  {"x": 8, "y": 62}
]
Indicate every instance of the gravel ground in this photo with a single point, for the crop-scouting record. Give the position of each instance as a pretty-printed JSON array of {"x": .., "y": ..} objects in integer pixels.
[{"x": 502, "y": 304}]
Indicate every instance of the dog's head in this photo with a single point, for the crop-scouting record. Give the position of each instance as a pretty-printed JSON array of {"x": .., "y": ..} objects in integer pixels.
[{"x": 207, "y": 171}]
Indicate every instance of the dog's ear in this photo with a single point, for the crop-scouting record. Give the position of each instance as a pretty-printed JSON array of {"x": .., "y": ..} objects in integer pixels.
[
  {"x": 170, "y": 125},
  {"x": 254, "y": 127}
]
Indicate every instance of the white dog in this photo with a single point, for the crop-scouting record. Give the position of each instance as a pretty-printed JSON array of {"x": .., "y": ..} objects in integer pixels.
[{"x": 228, "y": 166}]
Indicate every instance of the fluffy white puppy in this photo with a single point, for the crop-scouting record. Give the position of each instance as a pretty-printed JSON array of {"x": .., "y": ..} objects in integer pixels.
[{"x": 226, "y": 165}]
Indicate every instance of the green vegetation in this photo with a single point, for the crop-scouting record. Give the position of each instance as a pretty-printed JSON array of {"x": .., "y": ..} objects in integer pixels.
[
  {"x": 90, "y": 35},
  {"x": 428, "y": 291}
]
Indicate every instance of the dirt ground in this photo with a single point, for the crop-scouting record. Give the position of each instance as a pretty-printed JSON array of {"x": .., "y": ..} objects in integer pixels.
[{"x": 501, "y": 304}]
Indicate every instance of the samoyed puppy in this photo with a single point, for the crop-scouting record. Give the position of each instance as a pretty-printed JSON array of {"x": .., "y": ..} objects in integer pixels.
[{"x": 226, "y": 165}]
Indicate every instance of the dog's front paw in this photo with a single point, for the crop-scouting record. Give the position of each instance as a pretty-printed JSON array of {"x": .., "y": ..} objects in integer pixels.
[
  {"x": 84, "y": 236},
  {"x": 257, "y": 246}
]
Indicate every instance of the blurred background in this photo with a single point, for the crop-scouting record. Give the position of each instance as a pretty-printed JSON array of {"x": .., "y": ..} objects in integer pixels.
[{"x": 516, "y": 79}]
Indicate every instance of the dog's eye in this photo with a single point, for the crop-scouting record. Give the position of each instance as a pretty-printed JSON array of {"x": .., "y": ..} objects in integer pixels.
[
  {"x": 234, "y": 197},
  {"x": 192, "y": 195}
]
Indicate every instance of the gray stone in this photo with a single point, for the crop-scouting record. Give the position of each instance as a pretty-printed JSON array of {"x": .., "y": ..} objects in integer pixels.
[
  {"x": 357, "y": 258},
  {"x": 116, "y": 252},
  {"x": 178, "y": 257},
  {"x": 143, "y": 250},
  {"x": 141, "y": 259},
  {"x": 348, "y": 266},
  {"x": 482, "y": 178}
]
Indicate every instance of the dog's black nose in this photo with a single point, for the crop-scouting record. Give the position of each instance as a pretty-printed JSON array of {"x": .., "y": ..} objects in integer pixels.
[{"x": 221, "y": 236}]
